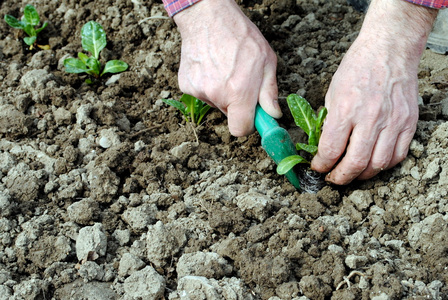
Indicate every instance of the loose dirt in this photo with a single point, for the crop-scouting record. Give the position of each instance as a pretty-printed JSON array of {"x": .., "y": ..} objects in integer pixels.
[{"x": 105, "y": 193}]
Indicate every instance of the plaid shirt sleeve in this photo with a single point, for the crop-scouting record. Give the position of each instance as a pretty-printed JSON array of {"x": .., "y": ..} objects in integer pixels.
[
  {"x": 174, "y": 6},
  {"x": 431, "y": 3}
]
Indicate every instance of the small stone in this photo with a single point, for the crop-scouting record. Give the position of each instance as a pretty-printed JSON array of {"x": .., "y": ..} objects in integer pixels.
[
  {"x": 335, "y": 249},
  {"x": 122, "y": 236},
  {"x": 113, "y": 79},
  {"x": 212, "y": 265},
  {"x": 255, "y": 205},
  {"x": 145, "y": 284},
  {"x": 432, "y": 170},
  {"x": 91, "y": 240},
  {"x": 355, "y": 261},
  {"x": 108, "y": 138},
  {"x": 361, "y": 199},
  {"x": 129, "y": 263}
]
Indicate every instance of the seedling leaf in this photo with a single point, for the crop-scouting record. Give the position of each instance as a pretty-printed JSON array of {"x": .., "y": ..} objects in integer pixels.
[
  {"x": 13, "y": 22},
  {"x": 289, "y": 162},
  {"x": 74, "y": 65},
  {"x": 203, "y": 111},
  {"x": 320, "y": 121},
  {"x": 308, "y": 148},
  {"x": 177, "y": 105},
  {"x": 40, "y": 29},
  {"x": 94, "y": 65},
  {"x": 93, "y": 38},
  {"x": 115, "y": 66},
  {"x": 83, "y": 57},
  {"x": 303, "y": 113},
  {"x": 29, "y": 29},
  {"x": 31, "y": 15},
  {"x": 191, "y": 107},
  {"x": 29, "y": 40}
]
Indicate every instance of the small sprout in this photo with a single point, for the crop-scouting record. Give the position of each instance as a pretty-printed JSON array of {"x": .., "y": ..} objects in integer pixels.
[
  {"x": 93, "y": 40},
  {"x": 191, "y": 107},
  {"x": 28, "y": 22},
  {"x": 305, "y": 118}
]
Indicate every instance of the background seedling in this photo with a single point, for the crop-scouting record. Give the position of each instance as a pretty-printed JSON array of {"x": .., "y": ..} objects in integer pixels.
[
  {"x": 93, "y": 40},
  {"x": 28, "y": 22},
  {"x": 191, "y": 107},
  {"x": 305, "y": 118}
]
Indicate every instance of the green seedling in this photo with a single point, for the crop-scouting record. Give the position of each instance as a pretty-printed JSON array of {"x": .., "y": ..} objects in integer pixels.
[
  {"x": 93, "y": 40},
  {"x": 305, "y": 118},
  {"x": 191, "y": 107},
  {"x": 28, "y": 22}
]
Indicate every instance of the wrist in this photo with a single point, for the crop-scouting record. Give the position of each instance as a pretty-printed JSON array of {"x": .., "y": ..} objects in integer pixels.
[
  {"x": 173, "y": 7},
  {"x": 399, "y": 25}
]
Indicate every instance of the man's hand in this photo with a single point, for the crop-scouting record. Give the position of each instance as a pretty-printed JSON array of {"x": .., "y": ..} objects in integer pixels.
[
  {"x": 227, "y": 62},
  {"x": 372, "y": 99}
]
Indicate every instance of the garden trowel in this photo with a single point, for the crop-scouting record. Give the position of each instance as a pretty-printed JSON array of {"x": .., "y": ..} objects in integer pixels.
[{"x": 276, "y": 141}]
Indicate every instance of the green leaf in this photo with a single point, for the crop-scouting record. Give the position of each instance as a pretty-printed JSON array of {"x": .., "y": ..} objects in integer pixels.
[
  {"x": 40, "y": 29},
  {"x": 115, "y": 66},
  {"x": 177, "y": 105},
  {"x": 189, "y": 102},
  {"x": 74, "y": 65},
  {"x": 31, "y": 15},
  {"x": 83, "y": 57},
  {"x": 320, "y": 121},
  {"x": 308, "y": 148},
  {"x": 94, "y": 66},
  {"x": 93, "y": 38},
  {"x": 13, "y": 22},
  {"x": 29, "y": 29},
  {"x": 313, "y": 139},
  {"x": 29, "y": 40},
  {"x": 203, "y": 111},
  {"x": 289, "y": 162},
  {"x": 303, "y": 113}
]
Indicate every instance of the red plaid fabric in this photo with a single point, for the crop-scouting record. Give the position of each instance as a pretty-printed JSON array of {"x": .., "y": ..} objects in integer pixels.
[
  {"x": 174, "y": 6},
  {"x": 431, "y": 3}
]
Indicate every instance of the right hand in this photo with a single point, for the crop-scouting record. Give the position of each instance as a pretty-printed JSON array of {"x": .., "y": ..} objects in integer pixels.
[{"x": 227, "y": 62}]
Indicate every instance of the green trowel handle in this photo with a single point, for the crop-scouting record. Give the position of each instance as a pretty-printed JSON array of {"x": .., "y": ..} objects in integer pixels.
[{"x": 276, "y": 141}]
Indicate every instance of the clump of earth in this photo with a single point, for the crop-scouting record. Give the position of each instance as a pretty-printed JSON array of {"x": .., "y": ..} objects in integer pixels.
[{"x": 106, "y": 192}]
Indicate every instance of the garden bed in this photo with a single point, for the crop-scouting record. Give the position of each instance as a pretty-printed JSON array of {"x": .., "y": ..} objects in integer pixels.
[{"x": 105, "y": 192}]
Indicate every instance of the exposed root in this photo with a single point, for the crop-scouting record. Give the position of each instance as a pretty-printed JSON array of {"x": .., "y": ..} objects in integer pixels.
[{"x": 347, "y": 279}]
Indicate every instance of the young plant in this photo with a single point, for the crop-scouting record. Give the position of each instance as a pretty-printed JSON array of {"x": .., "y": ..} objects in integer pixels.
[
  {"x": 93, "y": 40},
  {"x": 28, "y": 22},
  {"x": 191, "y": 107},
  {"x": 305, "y": 118}
]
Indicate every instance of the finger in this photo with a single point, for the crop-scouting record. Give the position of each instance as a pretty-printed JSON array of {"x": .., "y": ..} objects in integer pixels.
[
  {"x": 357, "y": 158},
  {"x": 240, "y": 117},
  {"x": 332, "y": 144},
  {"x": 383, "y": 152},
  {"x": 402, "y": 146},
  {"x": 268, "y": 97}
]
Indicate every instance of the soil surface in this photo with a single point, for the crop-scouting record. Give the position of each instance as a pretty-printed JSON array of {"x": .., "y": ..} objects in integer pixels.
[{"x": 106, "y": 192}]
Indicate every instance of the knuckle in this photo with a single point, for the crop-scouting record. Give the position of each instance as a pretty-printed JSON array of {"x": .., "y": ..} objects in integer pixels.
[
  {"x": 329, "y": 152},
  {"x": 380, "y": 164},
  {"x": 357, "y": 164},
  {"x": 399, "y": 157}
]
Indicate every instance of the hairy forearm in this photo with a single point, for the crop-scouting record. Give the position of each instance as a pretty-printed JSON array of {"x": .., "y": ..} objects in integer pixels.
[{"x": 405, "y": 26}]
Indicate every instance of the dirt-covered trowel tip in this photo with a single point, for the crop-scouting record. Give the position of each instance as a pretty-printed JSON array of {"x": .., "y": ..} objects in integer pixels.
[{"x": 277, "y": 143}]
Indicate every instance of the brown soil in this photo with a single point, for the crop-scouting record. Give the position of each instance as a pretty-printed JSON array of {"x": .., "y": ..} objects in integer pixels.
[{"x": 105, "y": 193}]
